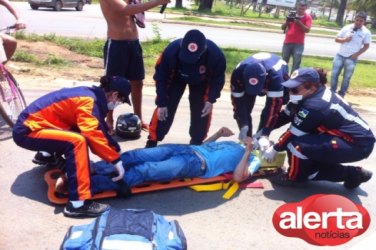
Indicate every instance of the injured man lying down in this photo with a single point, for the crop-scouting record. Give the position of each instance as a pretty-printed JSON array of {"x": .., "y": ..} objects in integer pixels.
[{"x": 167, "y": 162}]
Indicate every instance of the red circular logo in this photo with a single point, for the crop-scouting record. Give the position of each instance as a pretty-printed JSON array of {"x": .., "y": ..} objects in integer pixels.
[
  {"x": 192, "y": 47},
  {"x": 253, "y": 81}
]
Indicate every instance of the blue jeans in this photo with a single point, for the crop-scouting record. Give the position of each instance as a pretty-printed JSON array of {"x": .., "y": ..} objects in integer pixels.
[
  {"x": 163, "y": 163},
  {"x": 348, "y": 64},
  {"x": 296, "y": 51}
]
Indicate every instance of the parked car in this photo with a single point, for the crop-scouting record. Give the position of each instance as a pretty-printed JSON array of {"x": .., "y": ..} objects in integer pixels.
[{"x": 57, "y": 5}]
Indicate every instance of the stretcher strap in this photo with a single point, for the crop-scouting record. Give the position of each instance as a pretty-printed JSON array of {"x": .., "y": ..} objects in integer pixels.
[
  {"x": 230, "y": 186},
  {"x": 210, "y": 187},
  {"x": 231, "y": 191}
]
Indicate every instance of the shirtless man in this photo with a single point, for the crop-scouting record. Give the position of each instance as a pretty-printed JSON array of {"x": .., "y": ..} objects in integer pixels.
[
  {"x": 122, "y": 51},
  {"x": 9, "y": 43}
]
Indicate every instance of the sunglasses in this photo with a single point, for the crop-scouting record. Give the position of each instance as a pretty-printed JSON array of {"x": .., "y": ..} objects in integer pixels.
[
  {"x": 122, "y": 99},
  {"x": 294, "y": 90}
]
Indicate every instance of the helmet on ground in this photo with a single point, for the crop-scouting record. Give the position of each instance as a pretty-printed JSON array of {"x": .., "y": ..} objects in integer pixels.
[{"x": 128, "y": 126}]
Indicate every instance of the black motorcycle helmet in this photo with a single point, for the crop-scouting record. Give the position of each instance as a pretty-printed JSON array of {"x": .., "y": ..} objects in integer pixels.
[{"x": 128, "y": 126}]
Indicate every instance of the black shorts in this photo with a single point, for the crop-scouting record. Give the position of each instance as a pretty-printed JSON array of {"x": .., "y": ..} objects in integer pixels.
[{"x": 124, "y": 58}]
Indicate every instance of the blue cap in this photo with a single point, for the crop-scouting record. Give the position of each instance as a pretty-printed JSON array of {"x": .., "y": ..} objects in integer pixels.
[
  {"x": 300, "y": 76},
  {"x": 193, "y": 45},
  {"x": 121, "y": 85},
  {"x": 254, "y": 76}
]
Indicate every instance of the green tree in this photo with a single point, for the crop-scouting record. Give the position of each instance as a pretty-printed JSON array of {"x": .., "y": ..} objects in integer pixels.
[
  {"x": 364, "y": 5},
  {"x": 179, "y": 4},
  {"x": 205, "y": 5},
  {"x": 341, "y": 12},
  {"x": 328, "y": 5}
]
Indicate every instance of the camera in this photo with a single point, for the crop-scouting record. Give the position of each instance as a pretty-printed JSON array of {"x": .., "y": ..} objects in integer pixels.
[{"x": 291, "y": 17}]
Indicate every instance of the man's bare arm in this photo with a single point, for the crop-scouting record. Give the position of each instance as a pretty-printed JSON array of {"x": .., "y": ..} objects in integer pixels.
[
  {"x": 304, "y": 27},
  {"x": 19, "y": 22},
  {"x": 222, "y": 132},
  {"x": 361, "y": 51},
  {"x": 241, "y": 171},
  {"x": 343, "y": 39},
  {"x": 10, "y": 8},
  {"x": 121, "y": 7},
  {"x": 284, "y": 25}
]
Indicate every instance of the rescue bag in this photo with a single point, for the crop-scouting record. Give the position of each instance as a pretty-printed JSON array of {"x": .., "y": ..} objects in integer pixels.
[{"x": 134, "y": 229}]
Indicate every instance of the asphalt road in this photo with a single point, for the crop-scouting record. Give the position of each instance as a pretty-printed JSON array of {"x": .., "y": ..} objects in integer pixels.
[
  {"x": 29, "y": 221},
  {"x": 90, "y": 23}
]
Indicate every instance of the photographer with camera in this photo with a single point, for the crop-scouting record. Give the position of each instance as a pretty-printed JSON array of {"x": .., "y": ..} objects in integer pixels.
[{"x": 296, "y": 25}]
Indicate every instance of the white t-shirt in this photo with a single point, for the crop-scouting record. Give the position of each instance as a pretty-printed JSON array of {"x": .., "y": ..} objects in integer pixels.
[{"x": 359, "y": 38}]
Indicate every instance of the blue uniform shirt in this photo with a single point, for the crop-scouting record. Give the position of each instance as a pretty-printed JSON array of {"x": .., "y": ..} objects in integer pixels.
[
  {"x": 210, "y": 69},
  {"x": 277, "y": 73},
  {"x": 222, "y": 157}
]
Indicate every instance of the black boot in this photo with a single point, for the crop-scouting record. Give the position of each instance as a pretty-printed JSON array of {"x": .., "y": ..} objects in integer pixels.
[
  {"x": 195, "y": 142},
  {"x": 356, "y": 176},
  {"x": 151, "y": 144}
]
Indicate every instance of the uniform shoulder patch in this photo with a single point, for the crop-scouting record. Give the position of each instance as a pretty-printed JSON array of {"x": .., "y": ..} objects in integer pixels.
[{"x": 303, "y": 113}]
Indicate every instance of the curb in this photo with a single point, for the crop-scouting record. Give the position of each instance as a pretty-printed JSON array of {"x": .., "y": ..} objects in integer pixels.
[
  {"x": 165, "y": 19},
  {"x": 237, "y": 27}
]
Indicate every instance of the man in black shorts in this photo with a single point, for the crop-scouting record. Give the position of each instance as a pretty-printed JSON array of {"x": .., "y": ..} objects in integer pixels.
[{"x": 122, "y": 51}]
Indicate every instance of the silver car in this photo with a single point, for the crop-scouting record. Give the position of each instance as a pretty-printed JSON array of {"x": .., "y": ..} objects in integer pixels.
[{"x": 57, "y": 5}]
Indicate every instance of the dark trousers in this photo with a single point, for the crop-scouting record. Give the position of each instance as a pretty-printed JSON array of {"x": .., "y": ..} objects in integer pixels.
[
  {"x": 199, "y": 126},
  {"x": 320, "y": 157}
]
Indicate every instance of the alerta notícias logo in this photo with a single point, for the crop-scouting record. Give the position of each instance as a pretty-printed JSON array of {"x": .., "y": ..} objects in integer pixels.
[{"x": 322, "y": 220}]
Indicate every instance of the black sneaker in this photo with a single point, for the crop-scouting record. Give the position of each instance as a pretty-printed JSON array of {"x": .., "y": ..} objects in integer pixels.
[
  {"x": 151, "y": 144},
  {"x": 193, "y": 142},
  {"x": 52, "y": 161},
  {"x": 89, "y": 209},
  {"x": 44, "y": 160},
  {"x": 40, "y": 159},
  {"x": 282, "y": 180},
  {"x": 359, "y": 176}
]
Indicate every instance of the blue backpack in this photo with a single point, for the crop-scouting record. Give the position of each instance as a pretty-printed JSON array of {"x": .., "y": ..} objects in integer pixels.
[{"x": 133, "y": 229}]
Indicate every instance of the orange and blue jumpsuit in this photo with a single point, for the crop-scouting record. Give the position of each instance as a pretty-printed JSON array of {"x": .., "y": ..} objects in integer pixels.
[
  {"x": 205, "y": 80},
  {"x": 69, "y": 121}
]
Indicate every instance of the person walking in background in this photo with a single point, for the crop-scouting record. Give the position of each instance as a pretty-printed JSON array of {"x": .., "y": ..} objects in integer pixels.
[
  {"x": 297, "y": 24},
  {"x": 355, "y": 39},
  {"x": 258, "y": 75},
  {"x": 9, "y": 43},
  {"x": 122, "y": 50},
  {"x": 325, "y": 132},
  {"x": 70, "y": 121},
  {"x": 194, "y": 61}
]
